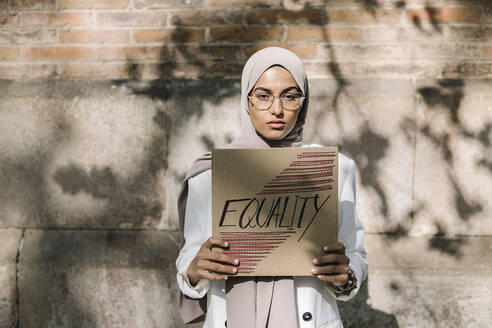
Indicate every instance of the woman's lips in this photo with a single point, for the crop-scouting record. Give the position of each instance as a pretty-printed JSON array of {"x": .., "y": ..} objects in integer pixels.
[{"x": 276, "y": 124}]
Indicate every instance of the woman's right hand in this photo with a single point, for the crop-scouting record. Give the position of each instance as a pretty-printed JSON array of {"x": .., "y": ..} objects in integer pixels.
[{"x": 211, "y": 265}]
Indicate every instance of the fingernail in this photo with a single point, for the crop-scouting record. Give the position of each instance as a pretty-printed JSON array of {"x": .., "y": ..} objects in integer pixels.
[
  {"x": 234, "y": 270},
  {"x": 236, "y": 261},
  {"x": 313, "y": 270},
  {"x": 225, "y": 278},
  {"x": 315, "y": 261},
  {"x": 226, "y": 244},
  {"x": 325, "y": 248}
]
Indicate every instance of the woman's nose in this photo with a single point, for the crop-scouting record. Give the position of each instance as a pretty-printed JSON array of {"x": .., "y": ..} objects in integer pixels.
[{"x": 277, "y": 108}]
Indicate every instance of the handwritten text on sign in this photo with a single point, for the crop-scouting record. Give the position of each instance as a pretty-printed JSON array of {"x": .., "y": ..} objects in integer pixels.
[{"x": 275, "y": 207}]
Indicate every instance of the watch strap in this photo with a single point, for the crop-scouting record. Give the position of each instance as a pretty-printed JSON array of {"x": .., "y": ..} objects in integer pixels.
[{"x": 345, "y": 289}]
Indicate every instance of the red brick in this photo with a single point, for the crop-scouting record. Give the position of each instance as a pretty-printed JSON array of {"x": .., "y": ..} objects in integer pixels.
[
  {"x": 132, "y": 53},
  {"x": 64, "y": 19},
  {"x": 27, "y": 4},
  {"x": 31, "y": 36},
  {"x": 347, "y": 3},
  {"x": 244, "y": 3},
  {"x": 387, "y": 69},
  {"x": 170, "y": 34},
  {"x": 324, "y": 33},
  {"x": 402, "y": 34},
  {"x": 284, "y": 16},
  {"x": 384, "y": 34},
  {"x": 441, "y": 51},
  {"x": 323, "y": 69},
  {"x": 7, "y": 20},
  {"x": 136, "y": 18},
  {"x": 364, "y": 52},
  {"x": 487, "y": 52},
  {"x": 487, "y": 19},
  {"x": 234, "y": 33},
  {"x": 205, "y": 53},
  {"x": 58, "y": 53},
  {"x": 360, "y": 16},
  {"x": 94, "y": 36},
  {"x": 444, "y": 15},
  {"x": 9, "y": 53},
  {"x": 149, "y": 4},
  {"x": 207, "y": 17},
  {"x": 469, "y": 33},
  {"x": 467, "y": 70},
  {"x": 18, "y": 70},
  {"x": 151, "y": 71},
  {"x": 224, "y": 69},
  {"x": 304, "y": 51},
  {"x": 93, "y": 4},
  {"x": 97, "y": 70}
]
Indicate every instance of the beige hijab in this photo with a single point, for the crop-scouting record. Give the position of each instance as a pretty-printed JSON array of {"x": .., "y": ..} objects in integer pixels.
[{"x": 253, "y": 302}]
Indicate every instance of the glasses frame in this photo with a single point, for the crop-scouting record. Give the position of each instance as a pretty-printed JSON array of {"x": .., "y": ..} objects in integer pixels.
[{"x": 280, "y": 98}]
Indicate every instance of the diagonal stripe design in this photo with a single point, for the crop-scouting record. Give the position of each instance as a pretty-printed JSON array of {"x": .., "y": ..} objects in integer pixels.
[{"x": 253, "y": 247}]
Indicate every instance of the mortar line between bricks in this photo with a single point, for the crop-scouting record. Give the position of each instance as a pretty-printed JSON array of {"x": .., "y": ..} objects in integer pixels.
[{"x": 17, "y": 273}]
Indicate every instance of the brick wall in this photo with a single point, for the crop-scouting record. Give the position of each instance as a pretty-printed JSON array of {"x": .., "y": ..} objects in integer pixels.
[{"x": 150, "y": 39}]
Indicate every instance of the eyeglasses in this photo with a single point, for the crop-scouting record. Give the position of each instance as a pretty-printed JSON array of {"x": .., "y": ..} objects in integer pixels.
[{"x": 263, "y": 100}]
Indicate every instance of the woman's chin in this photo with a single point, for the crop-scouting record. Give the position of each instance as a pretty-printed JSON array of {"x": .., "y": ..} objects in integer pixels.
[{"x": 274, "y": 134}]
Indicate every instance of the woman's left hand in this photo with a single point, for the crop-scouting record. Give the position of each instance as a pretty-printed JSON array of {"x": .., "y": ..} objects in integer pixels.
[{"x": 333, "y": 266}]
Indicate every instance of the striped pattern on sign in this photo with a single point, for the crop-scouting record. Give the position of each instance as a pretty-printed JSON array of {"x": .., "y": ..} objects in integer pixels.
[
  {"x": 250, "y": 248},
  {"x": 309, "y": 173}
]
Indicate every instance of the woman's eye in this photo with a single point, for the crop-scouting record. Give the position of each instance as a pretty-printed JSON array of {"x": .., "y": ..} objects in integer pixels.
[
  {"x": 263, "y": 96},
  {"x": 290, "y": 96}
]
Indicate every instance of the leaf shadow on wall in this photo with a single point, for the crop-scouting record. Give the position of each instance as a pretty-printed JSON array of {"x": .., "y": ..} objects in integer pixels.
[
  {"x": 448, "y": 95},
  {"x": 23, "y": 190},
  {"x": 24, "y": 193}
]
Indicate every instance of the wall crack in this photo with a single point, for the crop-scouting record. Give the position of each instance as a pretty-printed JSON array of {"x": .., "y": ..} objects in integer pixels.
[{"x": 17, "y": 276}]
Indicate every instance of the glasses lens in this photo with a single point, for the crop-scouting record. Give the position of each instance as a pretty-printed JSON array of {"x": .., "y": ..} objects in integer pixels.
[
  {"x": 291, "y": 100},
  {"x": 262, "y": 100}
]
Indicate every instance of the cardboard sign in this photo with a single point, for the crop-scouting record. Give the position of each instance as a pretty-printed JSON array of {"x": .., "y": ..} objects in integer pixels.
[{"x": 276, "y": 207}]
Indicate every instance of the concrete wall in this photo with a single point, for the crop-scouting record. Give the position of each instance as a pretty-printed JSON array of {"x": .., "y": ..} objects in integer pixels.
[
  {"x": 104, "y": 104},
  {"x": 111, "y": 155},
  {"x": 80, "y": 156}
]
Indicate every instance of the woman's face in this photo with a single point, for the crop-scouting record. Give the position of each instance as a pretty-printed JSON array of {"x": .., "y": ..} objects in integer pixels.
[{"x": 275, "y": 122}]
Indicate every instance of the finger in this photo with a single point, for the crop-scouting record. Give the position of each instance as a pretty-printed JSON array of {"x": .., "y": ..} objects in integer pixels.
[
  {"x": 217, "y": 267},
  {"x": 224, "y": 258},
  {"x": 211, "y": 276},
  {"x": 331, "y": 269},
  {"x": 336, "y": 247},
  {"x": 332, "y": 259},
  {"x": 338, "y": 279},
  {"x": 212, "y": 241},
  {"x": 205, "y": 254}
]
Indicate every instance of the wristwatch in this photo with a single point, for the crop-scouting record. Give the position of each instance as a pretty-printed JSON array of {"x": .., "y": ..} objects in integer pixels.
[{"x": 345, "y": 289}]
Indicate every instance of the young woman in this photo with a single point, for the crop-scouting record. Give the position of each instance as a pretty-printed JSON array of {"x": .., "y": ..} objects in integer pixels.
[{"x": 274, "y": 104}]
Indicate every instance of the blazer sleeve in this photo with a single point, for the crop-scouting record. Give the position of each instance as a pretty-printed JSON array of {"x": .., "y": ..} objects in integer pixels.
[
  {"x": 196, "y": 232},
  {"x": 350, "y": 230}
]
